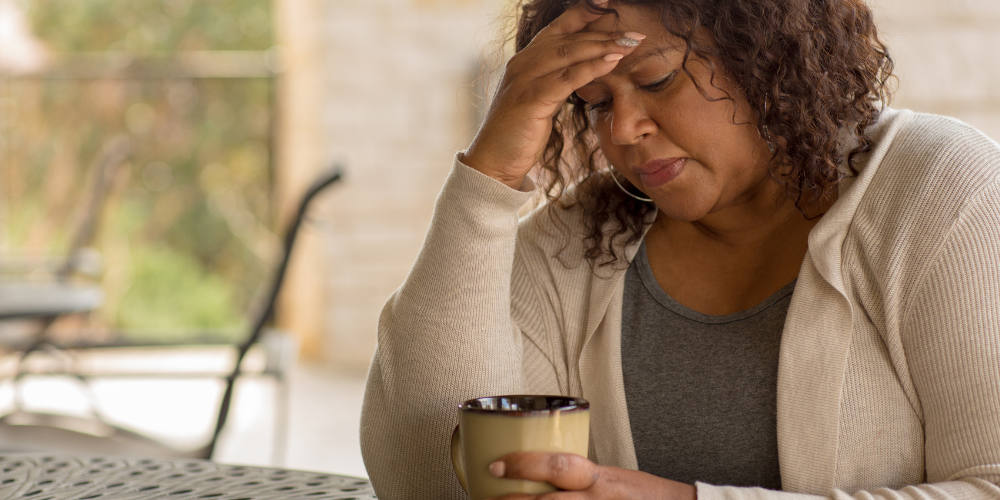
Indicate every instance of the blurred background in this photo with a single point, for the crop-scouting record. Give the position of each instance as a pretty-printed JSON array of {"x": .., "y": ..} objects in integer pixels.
[{"x": 161, "y": 146}]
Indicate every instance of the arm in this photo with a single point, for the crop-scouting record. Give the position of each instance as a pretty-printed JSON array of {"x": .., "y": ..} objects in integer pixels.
[
  {"x": 951, "y": 338},
  {"x": 444, "y": 337},
  {"x": 447, "y": 335},
  {"x": 952, "y": 341}
]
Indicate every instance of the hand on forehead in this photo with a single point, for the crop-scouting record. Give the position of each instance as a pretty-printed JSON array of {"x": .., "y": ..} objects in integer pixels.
[{"x": 640, "y": 19}]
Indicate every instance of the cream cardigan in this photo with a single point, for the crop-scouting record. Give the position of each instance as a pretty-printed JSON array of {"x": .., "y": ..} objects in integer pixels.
[{"x": 889, "y": 370}]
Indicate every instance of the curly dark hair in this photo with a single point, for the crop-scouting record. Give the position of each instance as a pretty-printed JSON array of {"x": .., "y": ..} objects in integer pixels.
[{"x": 814, "y": 71}]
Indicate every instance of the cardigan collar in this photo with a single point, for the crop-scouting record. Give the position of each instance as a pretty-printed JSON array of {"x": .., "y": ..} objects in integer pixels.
[
  {"x": 827, "y": 237},
  {"x": 600, "y": 356}
]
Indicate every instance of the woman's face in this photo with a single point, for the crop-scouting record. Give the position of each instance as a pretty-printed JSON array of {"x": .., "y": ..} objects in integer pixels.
[{"x": 692, "y": 151}]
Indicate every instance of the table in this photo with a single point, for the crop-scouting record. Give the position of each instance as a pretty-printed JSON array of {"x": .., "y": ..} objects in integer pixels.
[
  {"x": 36, "y": 300},
  {"x": 65, "y": 477}
]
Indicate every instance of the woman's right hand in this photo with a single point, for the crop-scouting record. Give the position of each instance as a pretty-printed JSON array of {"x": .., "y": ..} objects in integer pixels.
[{"x": 536, "y": 83}]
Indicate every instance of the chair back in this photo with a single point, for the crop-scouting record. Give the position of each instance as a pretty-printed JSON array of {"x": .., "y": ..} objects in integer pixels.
[{"x": 324, "y": 181}]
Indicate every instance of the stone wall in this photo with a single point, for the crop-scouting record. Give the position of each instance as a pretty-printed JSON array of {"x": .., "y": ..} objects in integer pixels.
[
  {"x": 393, "y": 102},
  {"x": 398, "y": 110},
  {"x": 947, "y": 57}
]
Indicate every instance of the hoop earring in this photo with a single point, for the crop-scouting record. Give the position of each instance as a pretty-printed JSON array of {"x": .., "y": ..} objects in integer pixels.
[
  {"x": 611, "y": 170},
  {"x": 763, "y": 125}
]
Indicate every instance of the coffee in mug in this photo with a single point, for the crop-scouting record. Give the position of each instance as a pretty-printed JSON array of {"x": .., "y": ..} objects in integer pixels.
[{"x": 492, "y": 427}]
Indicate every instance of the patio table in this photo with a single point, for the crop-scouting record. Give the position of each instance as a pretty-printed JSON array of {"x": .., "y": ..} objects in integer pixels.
[
  {"x": 70, "y": 477},
  {"x": 35, "y": 300}
]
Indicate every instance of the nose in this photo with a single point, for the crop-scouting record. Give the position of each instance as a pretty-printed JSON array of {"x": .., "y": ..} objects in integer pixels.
[{"x": 630, "y": 122}]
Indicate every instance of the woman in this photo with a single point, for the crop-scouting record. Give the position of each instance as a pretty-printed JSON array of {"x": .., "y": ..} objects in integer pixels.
[{"x": 742, "y": 245}]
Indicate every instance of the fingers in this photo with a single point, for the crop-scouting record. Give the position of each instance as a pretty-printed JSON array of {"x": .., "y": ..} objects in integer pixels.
[
  {"x": 559, "y": 85},
  {"x": 535, "y": 85},
  {"x": 560, "y": 52},
  {"x": 606, "y": 482},
  {"x": 548, "y": 72},
  {"x": 574, "y": 19},
  {"x": 561, "y": 58},
  {"x": 565, "y": 471},
  {"x": 558, "y": 495}
]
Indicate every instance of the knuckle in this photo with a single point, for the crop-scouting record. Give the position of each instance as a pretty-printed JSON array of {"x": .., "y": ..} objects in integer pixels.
[
  {"x": 565, "y": 75},
  {"x": 559, "y": 464},
  {"x": 597, "y": 476},
  {"x": 563, "y": 51}
]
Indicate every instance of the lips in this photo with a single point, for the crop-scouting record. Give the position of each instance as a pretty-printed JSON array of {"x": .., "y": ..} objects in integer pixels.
[{"x": 656, "y": 173}]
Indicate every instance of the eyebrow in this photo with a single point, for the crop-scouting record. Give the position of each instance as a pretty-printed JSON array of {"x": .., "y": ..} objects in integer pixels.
[
  {"x": 630, "y": 65},
  {"x": 640, "y": 57}
]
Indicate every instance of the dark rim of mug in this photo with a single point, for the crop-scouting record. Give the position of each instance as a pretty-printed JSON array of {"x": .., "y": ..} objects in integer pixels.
[{"x": 561, "y": 404}]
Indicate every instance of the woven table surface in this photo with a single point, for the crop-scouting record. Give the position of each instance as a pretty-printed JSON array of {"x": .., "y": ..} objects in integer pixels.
[{"x": 55, "y": 477}]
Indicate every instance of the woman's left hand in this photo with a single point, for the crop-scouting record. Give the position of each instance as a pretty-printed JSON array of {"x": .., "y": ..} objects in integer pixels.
[{"x": 581, "y": 479}]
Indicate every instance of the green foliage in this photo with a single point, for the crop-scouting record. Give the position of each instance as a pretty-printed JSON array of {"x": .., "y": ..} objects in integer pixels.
[
  {"x": 185, "y": 235},
  {"x": 151, "y": 25},
  {"x": 172, "y": 291}
]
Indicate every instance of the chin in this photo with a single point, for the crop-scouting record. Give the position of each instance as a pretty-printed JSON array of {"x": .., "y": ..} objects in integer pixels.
[{"x": 683, "y": 213}]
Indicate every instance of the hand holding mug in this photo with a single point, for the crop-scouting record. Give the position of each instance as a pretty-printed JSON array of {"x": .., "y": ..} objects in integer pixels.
[
  {"x": 579, "y": 478},
  {"x": 492, "y": 427}
]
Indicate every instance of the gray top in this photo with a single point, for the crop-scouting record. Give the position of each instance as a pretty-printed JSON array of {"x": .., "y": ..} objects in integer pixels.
[{"x": 701, "y": 389}]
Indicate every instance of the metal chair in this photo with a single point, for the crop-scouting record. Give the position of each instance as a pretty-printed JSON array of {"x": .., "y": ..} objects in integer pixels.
[
  {"x": 45, "y": 301},
  {"x": 23, "y": 431}
]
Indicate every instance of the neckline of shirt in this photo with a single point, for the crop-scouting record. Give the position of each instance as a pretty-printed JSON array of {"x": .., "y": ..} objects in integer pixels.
[{"x": 656, "y": 291}]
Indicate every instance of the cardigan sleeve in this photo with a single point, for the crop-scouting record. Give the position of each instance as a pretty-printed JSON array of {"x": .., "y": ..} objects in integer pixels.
[
  {"x": 952, "y": 342},
  {"x": 445, "y": 336},
  {"x": 951, "y": 338}
]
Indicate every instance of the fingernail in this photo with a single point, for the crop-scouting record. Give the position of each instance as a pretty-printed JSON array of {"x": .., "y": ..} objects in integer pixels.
[
  {"x": 497, "y": 468},
  {"x": 613, "y": 57},
  {"x": 635, "y": 35},
  {"x": 627, "y": 42}
]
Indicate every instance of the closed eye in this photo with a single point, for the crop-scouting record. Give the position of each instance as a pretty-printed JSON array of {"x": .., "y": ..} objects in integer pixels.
[
  {"x": 599, "y": 105},
  {"x": 656, "y": 86},
  {"x": 660, "y": 84},
  {"x": 594, "y": 103}
]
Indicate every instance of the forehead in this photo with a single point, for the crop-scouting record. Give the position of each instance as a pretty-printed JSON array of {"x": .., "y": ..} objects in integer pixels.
[{"x": 645, "y": 20}]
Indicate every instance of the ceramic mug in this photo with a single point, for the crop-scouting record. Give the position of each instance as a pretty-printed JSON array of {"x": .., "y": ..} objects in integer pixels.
[{"x": 494, "y": 426}]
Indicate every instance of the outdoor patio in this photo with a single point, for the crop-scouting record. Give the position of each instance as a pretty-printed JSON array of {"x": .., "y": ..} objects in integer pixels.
[{"x": 323, "y": 415}]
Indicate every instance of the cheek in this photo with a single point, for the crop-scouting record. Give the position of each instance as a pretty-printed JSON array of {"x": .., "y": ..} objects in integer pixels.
[
  {"x": 602, "y": 129},
  {"x": 715, "y": 132},
  {"x": 615, "y": 156}
]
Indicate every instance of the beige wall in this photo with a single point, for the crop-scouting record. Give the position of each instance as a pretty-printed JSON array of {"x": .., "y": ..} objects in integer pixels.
[
  {"x": 299, "y": 157},
  {"x": 947, "y": 55},
  {"x": 387, "y": 89},
  {"x": 383, "y": 85}
]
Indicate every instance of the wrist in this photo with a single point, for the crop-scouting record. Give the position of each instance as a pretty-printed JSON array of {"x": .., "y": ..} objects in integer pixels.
[
  {"x": 689, "y": 492},
  {"x": 477, "y": 162},
  {"x": 676, "y": 490}
]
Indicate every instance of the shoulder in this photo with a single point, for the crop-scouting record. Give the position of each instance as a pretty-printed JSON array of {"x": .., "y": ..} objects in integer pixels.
[
  {"x": 940, "y": 154},
  {"x": 933, "y": 165},
  {"x": 934, "y": 172}
]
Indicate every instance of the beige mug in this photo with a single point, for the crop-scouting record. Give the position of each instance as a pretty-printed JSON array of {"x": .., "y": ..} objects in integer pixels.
[{"x": 492, "y": 427}]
